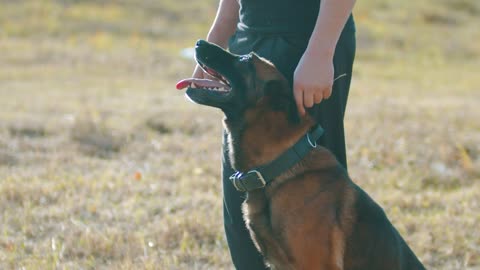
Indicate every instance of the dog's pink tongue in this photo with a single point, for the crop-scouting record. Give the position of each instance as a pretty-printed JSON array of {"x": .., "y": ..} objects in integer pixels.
[
  {"x": 205, "y": 83},
  {"x": 183, "y": 84}
]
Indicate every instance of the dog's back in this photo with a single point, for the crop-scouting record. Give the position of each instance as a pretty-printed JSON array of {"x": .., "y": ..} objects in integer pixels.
[{"x": 374, "y": 242}]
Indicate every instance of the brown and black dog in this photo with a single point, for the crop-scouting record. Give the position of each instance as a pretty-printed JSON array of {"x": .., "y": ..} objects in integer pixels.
[{"x": 310, "y": 216}]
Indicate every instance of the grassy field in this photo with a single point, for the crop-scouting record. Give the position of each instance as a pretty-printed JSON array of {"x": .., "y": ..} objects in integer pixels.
[{"x": 103, "y": 165}]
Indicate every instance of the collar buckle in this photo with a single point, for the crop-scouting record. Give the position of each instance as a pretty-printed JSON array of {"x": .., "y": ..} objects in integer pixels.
[{"x": 248, "y": 181}]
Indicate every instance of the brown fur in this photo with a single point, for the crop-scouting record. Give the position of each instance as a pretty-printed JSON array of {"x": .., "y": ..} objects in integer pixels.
[
  {"x": 312, "y": 216},
  {"x": 306, "y": 217}
]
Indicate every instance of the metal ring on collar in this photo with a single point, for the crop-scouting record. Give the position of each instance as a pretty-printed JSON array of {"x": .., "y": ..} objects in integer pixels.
[{"x": 312, "y": 144}]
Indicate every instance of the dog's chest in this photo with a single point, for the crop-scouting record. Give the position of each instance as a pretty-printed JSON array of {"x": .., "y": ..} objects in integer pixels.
[
  {"x": 256, "y": 210},
  {"x": 256, "y": 213},
  {"x": 258, "y": 225}
]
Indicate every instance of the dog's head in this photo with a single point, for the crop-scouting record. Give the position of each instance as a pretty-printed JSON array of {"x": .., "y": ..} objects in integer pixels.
[
  {"x": 242, "y": 81},
  {"x": 260, "y": 111}
]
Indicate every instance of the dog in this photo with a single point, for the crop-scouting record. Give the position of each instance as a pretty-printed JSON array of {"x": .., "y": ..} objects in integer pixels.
[{"x": 302, "y": 209}]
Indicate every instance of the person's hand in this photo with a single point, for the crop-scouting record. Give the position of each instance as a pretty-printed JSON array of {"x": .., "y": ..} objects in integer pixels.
[
  {"x": 312, "y": 80},
  {"x": 198, "y": 73},
  {"x": 199, "y": 78}
]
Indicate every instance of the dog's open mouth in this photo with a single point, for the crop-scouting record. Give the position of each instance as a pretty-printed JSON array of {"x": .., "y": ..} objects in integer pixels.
[
  {"x": 219, "y": 89},
  {"x": 218, "y": 84}
]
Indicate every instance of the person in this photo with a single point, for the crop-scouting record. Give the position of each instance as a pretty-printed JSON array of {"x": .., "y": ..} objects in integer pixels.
[{"x": 311, "y": 42}]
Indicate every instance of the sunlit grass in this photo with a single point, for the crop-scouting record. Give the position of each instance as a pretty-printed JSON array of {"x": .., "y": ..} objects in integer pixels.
[{"x": 104, "y": 165}]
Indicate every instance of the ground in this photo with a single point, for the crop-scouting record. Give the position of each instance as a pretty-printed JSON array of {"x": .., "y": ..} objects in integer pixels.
[{"x": 104, "y": 165}]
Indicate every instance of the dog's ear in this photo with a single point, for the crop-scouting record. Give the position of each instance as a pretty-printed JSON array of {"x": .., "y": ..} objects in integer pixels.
[{"x": 280, "y": 96}]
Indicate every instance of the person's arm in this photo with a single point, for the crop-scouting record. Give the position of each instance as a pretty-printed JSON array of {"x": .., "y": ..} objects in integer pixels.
[
  {"x": 222, "y": 28},
  {"x": 313, "y": 77}
]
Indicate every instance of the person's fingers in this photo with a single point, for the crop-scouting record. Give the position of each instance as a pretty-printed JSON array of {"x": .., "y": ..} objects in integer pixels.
[
  {"x": 327, "y": 93},
  {"x": 198, "y": 73},
  {"x": 298, "y": 95},
  {"x": 308, "y": 98},
  {"x": 317, "y": 97},
  {"x": 208, "y": 76}
]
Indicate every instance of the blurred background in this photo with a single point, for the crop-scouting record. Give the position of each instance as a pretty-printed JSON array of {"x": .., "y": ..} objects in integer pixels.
[{"x": 104, "y": 165}]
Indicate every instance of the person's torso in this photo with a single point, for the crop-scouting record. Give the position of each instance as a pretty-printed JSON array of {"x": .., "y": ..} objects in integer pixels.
[{"x": 284, "y": 16}]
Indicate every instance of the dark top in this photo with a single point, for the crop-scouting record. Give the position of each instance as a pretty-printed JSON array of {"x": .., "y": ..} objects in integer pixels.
[{"x": 281, "y": 16}]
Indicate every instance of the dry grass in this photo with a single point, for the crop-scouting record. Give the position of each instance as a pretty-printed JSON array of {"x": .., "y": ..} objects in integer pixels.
[{"x": 103, "y": 165}]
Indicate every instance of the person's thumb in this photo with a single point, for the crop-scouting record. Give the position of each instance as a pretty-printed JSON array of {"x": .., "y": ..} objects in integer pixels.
[
  {"x": 298, "y": 95},
  {"x": 198, "y": 73}
]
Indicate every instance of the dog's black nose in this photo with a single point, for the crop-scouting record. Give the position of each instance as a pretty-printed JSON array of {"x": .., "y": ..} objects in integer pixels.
[{"x": 200, "y": 42}]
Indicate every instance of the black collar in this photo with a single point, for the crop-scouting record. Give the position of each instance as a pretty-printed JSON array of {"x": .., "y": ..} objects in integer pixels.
[{"x": 259, "y": 177}]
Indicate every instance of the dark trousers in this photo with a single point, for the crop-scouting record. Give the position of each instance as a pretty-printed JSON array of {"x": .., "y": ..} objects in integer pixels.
[{"x": 285, "y": 51}]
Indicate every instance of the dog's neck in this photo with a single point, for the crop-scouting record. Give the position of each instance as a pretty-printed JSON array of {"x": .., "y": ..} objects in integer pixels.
[{"x": 264, "y": 139}]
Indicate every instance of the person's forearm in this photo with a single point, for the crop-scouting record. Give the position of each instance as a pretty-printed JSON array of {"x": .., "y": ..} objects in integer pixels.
[
  {"x": 225, "y": 23},
  {"x": 331, "y": 20}
]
